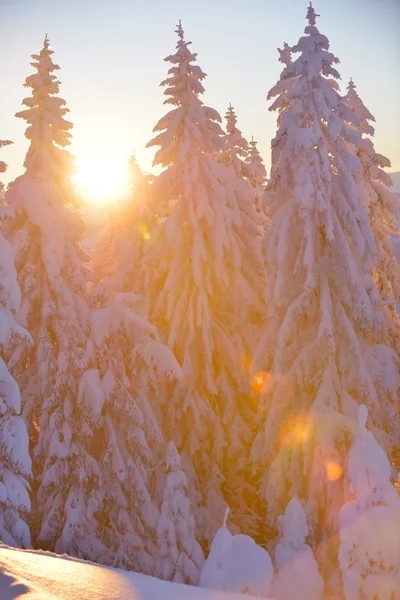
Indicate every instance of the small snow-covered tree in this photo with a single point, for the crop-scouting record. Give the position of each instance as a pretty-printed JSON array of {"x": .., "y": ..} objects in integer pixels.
[
  {"x": 382, "y": 207},
  {"x": 235, "y": 147},
  {"x": 48, "y": 131},
  {"x": 323, "y": 350},
  {"x": 15, "y": 462},
  {"x": 205, "y": 291},
  {"x": 369, "y": 551},
  {"x": 256, "y": 173},
  {"x": 256, "y": 176},
  {"x": 298, "y": 575},
  {"x": 44, "y": 231},
  {"x": 237, "y": 564},
  {"x": 135, "y": 368},
  {"x": 180, "y": 556}
]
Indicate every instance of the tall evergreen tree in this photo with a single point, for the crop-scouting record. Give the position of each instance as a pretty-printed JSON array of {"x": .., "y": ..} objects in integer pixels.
[
  {"x": 44, "y": 230},
  {"x": 235, "y": 146},
  {"x": 323, "y": 351},
  {"x": 204, "y": 294},
  {"x": 382, "y": 207},
  {"x": 3, "y": 166},
  {"x": 135, "y": 368},
  {"x": 15, "y": 462},
  {"x": 281, "y": 89}
]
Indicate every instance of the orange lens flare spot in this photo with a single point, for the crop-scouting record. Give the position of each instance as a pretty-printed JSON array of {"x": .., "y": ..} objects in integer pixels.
[
  {"x": 259, "y": 379},
  {"x": 143, "y": 231},
  {"x": 303, "y": 433},
  {"x": 333, "y": 471},
  {"x": 297, "y": 430}
]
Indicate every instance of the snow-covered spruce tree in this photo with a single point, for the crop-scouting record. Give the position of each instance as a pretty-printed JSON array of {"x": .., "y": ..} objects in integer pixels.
[
  {"x": 369, "y": 551},
  {"x": 180, "y": 556},
  {"x": 281, "y": 89},
  {"x": 44, "y": 232},
  {"x": 205, "y": 293},
  {"x": 117, "y": 262},
  {"x": 323, "y": 350},
  {"x": 382, "y": 207},
  {"x": 135, "y": 368},
  {"x": 3, "y": 166},
  {"x": 256, "y": 176},
  {"x": 298, "y": 575},
  {"x": 235, "y": 147},
  {"x": 15, "y": 462}
]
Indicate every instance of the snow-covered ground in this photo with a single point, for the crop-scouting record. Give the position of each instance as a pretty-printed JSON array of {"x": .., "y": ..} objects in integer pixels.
[{"x": 30, "y": 575}]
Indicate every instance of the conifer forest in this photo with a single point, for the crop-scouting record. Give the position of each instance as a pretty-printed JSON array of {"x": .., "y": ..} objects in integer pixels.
[{"x": 208, "y": 393}]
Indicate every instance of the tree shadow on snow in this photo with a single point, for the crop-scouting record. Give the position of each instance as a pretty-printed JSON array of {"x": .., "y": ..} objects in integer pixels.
[{"x": 9, "y": 588}]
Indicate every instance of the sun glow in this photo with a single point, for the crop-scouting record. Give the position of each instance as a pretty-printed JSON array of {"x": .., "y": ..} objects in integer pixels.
[{"x": 101, "y": 177}]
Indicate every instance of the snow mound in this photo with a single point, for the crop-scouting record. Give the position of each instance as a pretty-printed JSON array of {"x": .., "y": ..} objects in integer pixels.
[
  {"x": 298, "y": 574},
  {"x": 27, "y": 575},
  {"x": 236, "y": 564}
]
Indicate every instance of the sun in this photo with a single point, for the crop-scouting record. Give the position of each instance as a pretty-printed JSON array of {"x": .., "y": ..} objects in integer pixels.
[{"x": 101, "y": 177}]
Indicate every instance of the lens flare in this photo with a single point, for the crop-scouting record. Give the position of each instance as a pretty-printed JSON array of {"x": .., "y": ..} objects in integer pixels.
[
  {"x": 143, "y": 231},
  {"x": 259, "y": 379},
  {"x": 333, "y": 471}
]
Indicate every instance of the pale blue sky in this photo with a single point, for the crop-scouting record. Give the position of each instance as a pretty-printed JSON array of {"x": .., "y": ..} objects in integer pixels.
[{"x": 111, "y": 57}]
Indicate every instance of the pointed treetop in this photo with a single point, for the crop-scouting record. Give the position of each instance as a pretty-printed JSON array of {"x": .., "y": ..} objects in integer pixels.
[
  {"x": 362, "y": 419},
  {"x": 351, "y": 85},
  {"x": 227, "y": 511},
  {"x": 173, "y": 460},
  {"x": 311, "y": 15},
  {"x": 179, "y": 30},
  {"x": 231, "y": 119},
  {"x": 295, "y": 528}
]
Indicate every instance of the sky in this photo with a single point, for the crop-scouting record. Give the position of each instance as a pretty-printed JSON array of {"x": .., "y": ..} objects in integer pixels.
[{"x": 111, "y": 57}]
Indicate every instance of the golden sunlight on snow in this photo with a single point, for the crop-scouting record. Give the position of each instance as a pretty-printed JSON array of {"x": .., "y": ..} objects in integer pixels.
[{"x": 101, "y": 177}]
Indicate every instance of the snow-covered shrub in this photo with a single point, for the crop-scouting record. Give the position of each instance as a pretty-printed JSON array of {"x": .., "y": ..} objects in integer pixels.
[
  {"x": 369, "y": 551},
  {"x": 298, "y": 577},
  {"x": 236, "y": 564}
]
